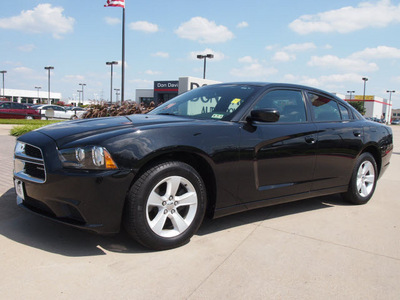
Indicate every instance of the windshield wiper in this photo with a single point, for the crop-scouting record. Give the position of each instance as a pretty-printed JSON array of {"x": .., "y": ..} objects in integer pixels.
[{"x": 167, "y": 114}]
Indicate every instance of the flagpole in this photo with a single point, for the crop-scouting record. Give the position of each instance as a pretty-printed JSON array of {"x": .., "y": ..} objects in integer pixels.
[{"x": 123, "y": 56}]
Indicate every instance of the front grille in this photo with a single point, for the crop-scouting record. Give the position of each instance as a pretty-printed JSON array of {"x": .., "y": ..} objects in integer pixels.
[
  {"x": 29, "y": 163},
  {"x": 33, "y": 151}
]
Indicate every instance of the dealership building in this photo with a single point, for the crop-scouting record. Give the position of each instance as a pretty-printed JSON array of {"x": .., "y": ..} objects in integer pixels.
[
  {"x": 375, "y": 107},
  {"x": 166, "y": 90},
  {"x": 32, "y": 97}
]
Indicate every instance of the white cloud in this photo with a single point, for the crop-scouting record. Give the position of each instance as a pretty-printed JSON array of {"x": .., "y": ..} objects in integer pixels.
[
  {"x": 24, "y": 70},
  {"x": 144, "y": 26},
  {"x": 271, "y": 47},
  {"x": 377, "y": 53},
  {"x": 27, "y": 48},
  {"x": 247, "y": 59},
  {"x": 299, "y": 47},
  {"x": 252, "y": 69},
  {"x": 327, "y": 81},
  {"x": 345, "y": 64},
  {"x": 242, "y": 25},
  {"x": 73, "y": 78},
  {"x": 283, "y": 56},
  {"x": 151, "y": 72},
  {"x": 348, "y": 19},
  {"x": 44, "y": 18},
  {"x": 204, "y": 31},
  {"x": 218, "y": 56},
  {"x": 112, "y": 21},
  {"x": 161, "y": 54}
]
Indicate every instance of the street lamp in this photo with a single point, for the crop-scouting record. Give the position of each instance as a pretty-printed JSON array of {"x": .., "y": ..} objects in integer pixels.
[
  {"x": 365, "y": 81},
  {"x": 3, "y": 72},
  {"x": 48, "y": 85},
  {"x": 390, "y": 100},
  {"x": 205, "y": 58},
  {"x": 38, "y": 95},
  {"x": 117, "y": 93},
  {"x": 79, "y": 95},
  {"x": 82, "y": 85},
  {"x": 350, "y": 92},
  {"x": 111, "y": 63}
]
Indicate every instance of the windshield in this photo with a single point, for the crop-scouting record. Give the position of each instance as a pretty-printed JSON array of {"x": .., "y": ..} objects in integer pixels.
[{"x": 218, "y": 102}]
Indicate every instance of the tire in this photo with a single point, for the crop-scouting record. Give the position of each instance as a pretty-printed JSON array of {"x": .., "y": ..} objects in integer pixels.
[
  {"x": 165, "y": 206},
  {"x": 29, "y": 118},
  {"x": 363, "y": 181}
]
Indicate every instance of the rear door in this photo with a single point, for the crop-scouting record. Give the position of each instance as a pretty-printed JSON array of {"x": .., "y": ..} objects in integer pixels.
[{"x": 339, "y": 141}]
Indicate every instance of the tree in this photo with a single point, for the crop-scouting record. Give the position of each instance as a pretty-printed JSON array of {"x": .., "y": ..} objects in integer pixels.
[{"x": 359, "y": 106}]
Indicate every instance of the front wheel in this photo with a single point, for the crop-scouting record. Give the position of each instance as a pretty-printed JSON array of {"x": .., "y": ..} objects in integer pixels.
[
  {"x": 363, "y": 181},
  {"x": 165, "y": 206}
]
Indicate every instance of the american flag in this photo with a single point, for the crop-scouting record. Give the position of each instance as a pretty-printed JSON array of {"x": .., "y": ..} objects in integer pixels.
[{"x": 117, "y": 3}]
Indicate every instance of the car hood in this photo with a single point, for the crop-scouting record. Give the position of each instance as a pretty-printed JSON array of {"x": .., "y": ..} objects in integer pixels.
[{"x": 68, "y": 131}]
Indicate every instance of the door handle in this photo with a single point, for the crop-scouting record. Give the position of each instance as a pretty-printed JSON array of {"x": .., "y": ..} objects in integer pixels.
[
  {"x": 310, "y": 140},
  {"x": 357, "y": 133}
]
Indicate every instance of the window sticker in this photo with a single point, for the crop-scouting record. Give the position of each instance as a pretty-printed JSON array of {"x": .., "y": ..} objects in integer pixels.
[
  {"x": 236, "y": 100},
  {"x": 217, "y": 116}
]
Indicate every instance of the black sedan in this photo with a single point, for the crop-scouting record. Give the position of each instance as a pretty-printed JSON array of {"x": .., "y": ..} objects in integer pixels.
[{"x": 218, "y": 149}]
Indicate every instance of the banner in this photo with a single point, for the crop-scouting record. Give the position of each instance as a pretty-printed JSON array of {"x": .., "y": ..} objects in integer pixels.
[{"x": 115, "y": 3}]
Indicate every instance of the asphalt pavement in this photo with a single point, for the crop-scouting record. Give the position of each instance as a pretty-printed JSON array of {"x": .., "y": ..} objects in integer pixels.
[{"x": 321, "y": 248}]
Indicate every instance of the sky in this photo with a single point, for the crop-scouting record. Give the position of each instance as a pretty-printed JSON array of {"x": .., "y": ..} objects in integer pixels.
[{"x": 329, "y": 45}]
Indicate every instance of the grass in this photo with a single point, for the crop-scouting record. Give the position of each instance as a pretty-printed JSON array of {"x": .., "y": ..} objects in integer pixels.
[
  {"x": 23, "y": 126},
  {"x": 28, "y": 122}
]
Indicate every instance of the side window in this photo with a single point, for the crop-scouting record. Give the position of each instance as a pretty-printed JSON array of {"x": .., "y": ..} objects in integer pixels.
[
  {"x": 344, "y": 112},
  {"x": 17, "y": 106},
  {"x": 289, "y": 103},
  {"x": 6, "y": 105},
  {"x": 324, "y": 108}
]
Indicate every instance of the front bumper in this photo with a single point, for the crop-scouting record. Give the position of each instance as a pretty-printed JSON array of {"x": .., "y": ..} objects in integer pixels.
[{"x": 92, "y": 200}]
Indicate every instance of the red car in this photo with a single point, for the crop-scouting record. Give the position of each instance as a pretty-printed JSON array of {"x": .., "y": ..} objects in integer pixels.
[{"x": 13, "y": 110}]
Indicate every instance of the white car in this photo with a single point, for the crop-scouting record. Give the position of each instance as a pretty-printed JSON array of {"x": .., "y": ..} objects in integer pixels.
[{"x": 58, "y": 112}]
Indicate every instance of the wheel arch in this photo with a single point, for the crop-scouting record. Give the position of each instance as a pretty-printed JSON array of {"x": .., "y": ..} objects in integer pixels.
[
  {"x": 373, "y": 150},
  {"x": 196, "y": 161}
]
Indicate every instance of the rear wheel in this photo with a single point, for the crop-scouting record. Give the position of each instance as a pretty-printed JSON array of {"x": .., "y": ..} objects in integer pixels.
[
  {"x": 165, "y": 206},
  {"x": 363, "y": 181},
  {"x": 29, "y": 118}
]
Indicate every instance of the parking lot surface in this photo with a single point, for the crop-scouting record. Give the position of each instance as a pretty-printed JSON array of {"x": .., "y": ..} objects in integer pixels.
[{"x": 312, "y": 249}]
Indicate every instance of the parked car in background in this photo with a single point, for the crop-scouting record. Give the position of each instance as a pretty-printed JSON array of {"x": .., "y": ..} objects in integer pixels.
[
  {"x": 14, "y": 110},
  {"x": 219, "y": 149},
  {"x": 58, "y": 112},
  {"x": 395, "y": 122}
]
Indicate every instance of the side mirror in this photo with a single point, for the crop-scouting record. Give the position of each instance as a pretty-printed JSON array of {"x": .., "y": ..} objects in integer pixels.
[{"x": 264, "y": 115}]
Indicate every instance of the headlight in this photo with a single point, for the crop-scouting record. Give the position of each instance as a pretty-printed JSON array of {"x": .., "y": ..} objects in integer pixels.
[{"x": 89, "y": 158}]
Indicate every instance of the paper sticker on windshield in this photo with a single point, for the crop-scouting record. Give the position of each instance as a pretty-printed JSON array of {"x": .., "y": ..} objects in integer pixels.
[
  {"x": 236, "y": 100},
  {"x": 217, "y": 116}
]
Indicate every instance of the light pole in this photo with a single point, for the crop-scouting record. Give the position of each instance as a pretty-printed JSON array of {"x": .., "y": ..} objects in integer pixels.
[
  {"x": 111, "y": 63},
  {"x": 79, "y": 95},
  {"x": 205, "y": 58},
  {"x": 365, "y": 82},
  {"x": 350, "y": 92},
  {"x": 117, "y": 93},
  {"x": 390, "y": 100},
  {"x": 48, "y": 85},
  {"x": 3, "y": 72},
  {"x": 82, "y": 85},
  {"x": 38, "y": 95}
]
